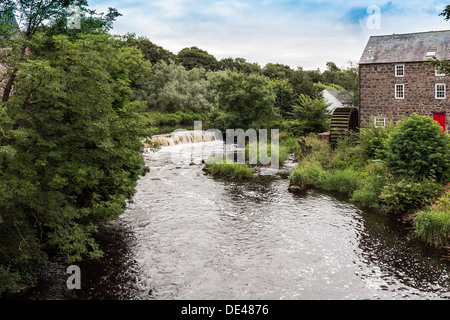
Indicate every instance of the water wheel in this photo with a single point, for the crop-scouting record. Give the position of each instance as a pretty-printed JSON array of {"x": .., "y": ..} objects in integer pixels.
[{"x": 343, "y": 121}]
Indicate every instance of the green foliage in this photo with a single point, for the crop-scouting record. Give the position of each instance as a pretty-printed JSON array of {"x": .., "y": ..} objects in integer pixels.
[
  {"x": 220, "y": 167},
  {"x": 277, "y": 71},
  {"x": 398, "y": 196},
  {"x": 172, "y": 88},
  {"x": 321, "y": 151},
  {"x": 347, "y": 79},
  {"x": 446, "y": 13},
  {"x": 373, "y": 140},
  {"x": 312, "y": 174},
  {"x": 418, "y": 148},
  {"x": 71, "y": 148},
  {"x": 345, "y": 181},
  {"x": 312, "y": 112},
  {"x": 369, "y": 191},
  {"x": 347, "y": 154},
  {"x": 194, "y": 57},
  {"x": 8, "y": 280},
  {"x": 308, "y": 174},
  {"x": 239, "y": 65},
  {"x": 302, "y": 84},
  {"x": 330, "y": 87},
  {"x": 285, "y": 97},
  {"x": 433, "y": 224},
  {"x": 51, "y": 16},
  {"x": 246, "y": 100},
  {"x": 286, "y": 147},
  {"x": 151, "y": 51}
]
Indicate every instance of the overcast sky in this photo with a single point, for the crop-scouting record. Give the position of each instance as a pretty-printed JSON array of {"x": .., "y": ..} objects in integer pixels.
[{"x": 297, "y": 33}]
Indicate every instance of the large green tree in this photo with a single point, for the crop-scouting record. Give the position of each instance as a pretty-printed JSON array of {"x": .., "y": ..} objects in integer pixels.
[
  {"x": 247, "y": 101},
  {"x": 151, "y": 51},
  {"x": 172, "y": 88},
  {"x": 194, "y": 57},
  {"x": 70, "y": 149},
  {"x": 49, "y": 16},
  {"x": 312, "y": 113}
]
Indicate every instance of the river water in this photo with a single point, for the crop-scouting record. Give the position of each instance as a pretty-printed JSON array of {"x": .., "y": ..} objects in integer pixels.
[{"x": 189, "y": 236}]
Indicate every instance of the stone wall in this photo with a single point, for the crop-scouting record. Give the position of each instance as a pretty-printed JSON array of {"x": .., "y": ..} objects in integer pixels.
[{"x": 377, "y": 92}]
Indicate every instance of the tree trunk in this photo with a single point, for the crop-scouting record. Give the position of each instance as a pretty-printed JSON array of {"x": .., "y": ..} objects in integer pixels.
[{"x": 9, "y": 85}]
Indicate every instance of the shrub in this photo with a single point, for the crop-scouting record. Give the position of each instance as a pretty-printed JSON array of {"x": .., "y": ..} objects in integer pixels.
[
  {"x": 433, "y": 227},
  {"x": 348, "y": 154},
  {"x": 321, "y": 151},
  {"x": 314, "y": 112},
  {"x": 369, "y": 191},
  {"x": 418, "y": 148},
  {"x": 401, "y": 195},
  {"x": 373, "y": 140},
  {"x": 218, "y": 167},
  {"x": 307, "y": 174},
  {"x": 346, "y": 180}
]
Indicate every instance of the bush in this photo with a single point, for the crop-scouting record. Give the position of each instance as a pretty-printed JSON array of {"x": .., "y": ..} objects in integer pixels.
[
  {"x": 348, "y": 154},
  {"x": 73, "y": 159},
  {"x": 418, "y": 148},
  {"x": 218, "y": 167},
  {"x": 321, "y": 151},
  {"x": 433, "y": 227},
  {"x": 345, "y": 181},
  {"x": 373, "y": 140},
  {"x": 368, "y": 193},
  {"x": 433, "y": 224},
  {"x": 313, "y": 112},
  {"x": 307, "y": 174},
  {"x": 311, "y": 174},
  {"x": 399, "y": 196}
]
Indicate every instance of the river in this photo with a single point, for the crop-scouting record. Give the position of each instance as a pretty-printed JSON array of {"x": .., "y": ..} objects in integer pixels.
[{"x": 189, "y": 236}]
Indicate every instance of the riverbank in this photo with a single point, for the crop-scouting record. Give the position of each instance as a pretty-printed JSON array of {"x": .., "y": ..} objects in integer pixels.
[
  {"x": 208, "y": 238},
  {"x": 422, "y": 205}
]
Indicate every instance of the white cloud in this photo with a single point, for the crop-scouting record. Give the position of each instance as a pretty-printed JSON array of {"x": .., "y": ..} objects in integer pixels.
[{"x": 296, "y": 33}]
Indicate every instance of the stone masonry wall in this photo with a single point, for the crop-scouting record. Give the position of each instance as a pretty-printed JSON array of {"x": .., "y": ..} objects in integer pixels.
[{"x": 377, "y": 92}]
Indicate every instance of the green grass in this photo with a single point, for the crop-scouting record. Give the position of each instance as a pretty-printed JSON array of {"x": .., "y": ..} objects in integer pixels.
[
  {"x": 433, "y": 225},
  {"x": 218, "y": 167},
  {"x": 311, "y": 174},
  {"x": 286, "y": 147}
]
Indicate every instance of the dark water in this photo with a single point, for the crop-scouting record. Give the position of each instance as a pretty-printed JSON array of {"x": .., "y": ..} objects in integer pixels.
[{"x": 189, "y": 236}]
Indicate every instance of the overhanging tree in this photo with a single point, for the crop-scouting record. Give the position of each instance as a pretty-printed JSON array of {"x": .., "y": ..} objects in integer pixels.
[{"x": 70, "y": 149}]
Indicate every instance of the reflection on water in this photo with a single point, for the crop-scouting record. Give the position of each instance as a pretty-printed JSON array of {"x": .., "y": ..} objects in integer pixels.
[{"x": 189, "y": 236}]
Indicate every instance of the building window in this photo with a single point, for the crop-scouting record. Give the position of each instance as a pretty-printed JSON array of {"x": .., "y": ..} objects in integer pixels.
[
  {"x": 400, "y": 70},
  {"x": 439, "y": 73},
  {"x": 380, "y": 122},
  {"x": 399, "y": 91},
  {"x": 431, "y": 52},
  {"x": 440, "y": 91}
]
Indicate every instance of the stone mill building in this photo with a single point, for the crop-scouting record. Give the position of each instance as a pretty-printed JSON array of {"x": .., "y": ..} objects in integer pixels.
[{"x": 395, "y": 81}]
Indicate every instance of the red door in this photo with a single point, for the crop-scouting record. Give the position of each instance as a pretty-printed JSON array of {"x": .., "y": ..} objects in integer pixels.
[{"x": 440, "y": 118}]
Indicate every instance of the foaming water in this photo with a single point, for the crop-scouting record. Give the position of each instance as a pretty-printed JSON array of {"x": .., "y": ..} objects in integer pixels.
[{"x": 189, "y": 236}]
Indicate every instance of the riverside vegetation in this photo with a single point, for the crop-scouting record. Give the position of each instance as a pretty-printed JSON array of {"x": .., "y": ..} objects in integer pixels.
[
  {"x": 397, "y": 170},
  {"x": 77, "y": 104}
]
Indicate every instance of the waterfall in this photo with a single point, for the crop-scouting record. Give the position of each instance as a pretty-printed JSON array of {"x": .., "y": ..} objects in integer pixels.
[{"x": 184, "y": 137}]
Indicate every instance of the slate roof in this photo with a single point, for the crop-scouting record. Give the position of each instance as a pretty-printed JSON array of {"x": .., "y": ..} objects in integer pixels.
[{"x": 411, "y": 47}]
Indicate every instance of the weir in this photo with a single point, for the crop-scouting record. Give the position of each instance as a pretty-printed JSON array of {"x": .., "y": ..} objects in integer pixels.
[{"x": 185, "y": 137}]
